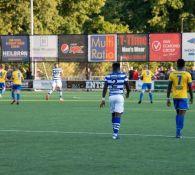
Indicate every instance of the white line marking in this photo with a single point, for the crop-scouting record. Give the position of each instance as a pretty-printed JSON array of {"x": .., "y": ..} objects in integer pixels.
[{"x": 93, "y": 133}]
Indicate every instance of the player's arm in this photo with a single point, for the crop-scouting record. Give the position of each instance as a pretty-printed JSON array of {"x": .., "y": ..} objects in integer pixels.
[
  {"x": 128, "y": 88},
  {"x": 169, "y": 93},
  {"x": 105, "y": 88},
  {"x": 190, "y": 92}
]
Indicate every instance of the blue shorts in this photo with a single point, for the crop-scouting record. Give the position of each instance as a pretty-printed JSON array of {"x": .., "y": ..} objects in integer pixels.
[
  {"x": 16, "y": 87},
  {"x": 181, "y": 103},
  {"x": 2, "y": 85},
  {"x": 147, "y": 86}
]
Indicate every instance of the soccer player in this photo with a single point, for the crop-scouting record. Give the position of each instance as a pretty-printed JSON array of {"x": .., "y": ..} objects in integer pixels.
[
  {"x": 3, "y": 75},
  {"x": 179, "y": 82},
  {"x": 115, "y": 82},
  {"x": 17, "y": 78},
  {"x": 146, "y": 78},
  {"x": 57, "y": 81}
]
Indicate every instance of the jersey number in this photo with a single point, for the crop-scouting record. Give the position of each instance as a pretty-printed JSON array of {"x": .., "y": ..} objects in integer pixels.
[
  {"x": 179, "y": 79},
  {"x": 114, "y": 82}
]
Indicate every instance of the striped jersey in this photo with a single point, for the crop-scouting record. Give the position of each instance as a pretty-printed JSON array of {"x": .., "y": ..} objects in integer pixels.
[
  {"x": 56, "y": 73},
  {"x": 116, "y": 82}
]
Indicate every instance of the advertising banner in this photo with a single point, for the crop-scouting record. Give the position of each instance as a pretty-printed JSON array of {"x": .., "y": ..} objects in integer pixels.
[
  {"x": 44, "y": 48},
  {"x": 15, "y": 48},
  {"x": 161, "y": 85},
  {"x": 73, "y": 48},
  {"x": 76, "y": 84},
  {"x": 102, "y": 48},
  {"x": 46, "y": 84},
  {"x": 165, "y": 47},
  {"x": 132, "y": 47},
  {"x": 188, "y": 46}
]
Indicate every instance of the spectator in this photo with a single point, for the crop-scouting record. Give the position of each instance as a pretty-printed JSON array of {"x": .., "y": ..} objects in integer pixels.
[
  {"x": 192, "y": 72},
  {"x": 28, "y": 74},
  {"x": 161, "y": 73},
  {"x": 135, "y": 75},
  {"x": 131, "y": 71}
]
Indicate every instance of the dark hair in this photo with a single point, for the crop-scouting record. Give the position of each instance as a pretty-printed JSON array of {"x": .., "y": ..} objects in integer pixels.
[
  {"x": 116, "y": 66},
  {"x": 180, "y": 63}
]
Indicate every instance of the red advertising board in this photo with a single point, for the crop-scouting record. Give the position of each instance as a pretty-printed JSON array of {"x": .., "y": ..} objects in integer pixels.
[{"x": 165, "y": 47}]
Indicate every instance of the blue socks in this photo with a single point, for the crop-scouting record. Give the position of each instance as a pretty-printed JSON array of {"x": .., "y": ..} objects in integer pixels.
[
  {"x": 141, "y": 96},
  {"x": 150, "y": 95},
  {"x": 179, "y": 124},
  {"x": 18, "y": 97},
  {"x": 116, "y": 124},
  {"x": 13, "y": 95}
]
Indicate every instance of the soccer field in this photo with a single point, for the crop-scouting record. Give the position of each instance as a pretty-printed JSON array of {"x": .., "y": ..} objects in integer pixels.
[{"x": 41, "y": 137}]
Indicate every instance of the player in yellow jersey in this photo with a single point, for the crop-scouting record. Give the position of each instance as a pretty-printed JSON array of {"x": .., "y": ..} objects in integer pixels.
[
  {"x": 180, "y": 82},
  {"x": 17, "y": 78},
  {"x": 3, "y": 77},
  {"x": 146, "y": 77}
]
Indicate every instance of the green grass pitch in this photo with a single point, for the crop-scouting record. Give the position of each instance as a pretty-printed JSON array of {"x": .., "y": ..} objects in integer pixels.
[{"x": 74, "y": 138}]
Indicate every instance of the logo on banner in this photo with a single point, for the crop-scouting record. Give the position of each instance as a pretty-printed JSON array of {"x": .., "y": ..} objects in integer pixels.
[
  {"x": 102, "y": 47},
  {"x": 192, "y": 41},
  {"x": 65, "y": 48},
  {"x": 156, "y": 46},
  {"x": 73, "y": 48},
  {"x": 43, "y": 41}
]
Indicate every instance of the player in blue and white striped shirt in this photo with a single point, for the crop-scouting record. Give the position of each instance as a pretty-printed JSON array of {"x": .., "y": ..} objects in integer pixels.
[
  {"x": 57, "y": 81},
  {"x": 115, "y": 82}
]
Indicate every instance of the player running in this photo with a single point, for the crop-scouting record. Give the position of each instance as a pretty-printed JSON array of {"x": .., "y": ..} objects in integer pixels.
[
  {"x": 179, "y": 82},
  {"x": 57, "y": 81},
  {"x": 3, "y": 77},
  {"x": 115, "y": 83},
  {"x": 146, "y": 77},
  {"x": 17, "y": 78}
]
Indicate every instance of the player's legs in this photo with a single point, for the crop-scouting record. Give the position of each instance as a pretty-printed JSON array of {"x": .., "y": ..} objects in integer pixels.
[
  {"x": 13, "y": 94},
  {"x": 116, "y": 108},
  {"x": 59, "y": 85},
  {"x": 18, "y": 95},
  {"x": 149, "y": 86},
  {"x": 1, "y": 89},
  {"x": 142, "y": 93},
  {"x": 52, "y": 90},
  {"x": 181, "y": 105}
]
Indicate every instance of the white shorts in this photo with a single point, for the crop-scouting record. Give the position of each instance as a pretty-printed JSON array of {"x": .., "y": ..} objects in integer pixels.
[
  {"x": 116, "y": 103},
  {"x": 56, "y": 83}
]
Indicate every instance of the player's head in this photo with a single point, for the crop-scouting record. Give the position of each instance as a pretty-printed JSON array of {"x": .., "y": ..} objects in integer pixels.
[
  {"x": 116, "y": 67},
  {"x": 146, "y": 67},
  {"x": 180, "y": 63},
  {"x": 16, "y": 67},
  {"x": 56, "y": 65}
]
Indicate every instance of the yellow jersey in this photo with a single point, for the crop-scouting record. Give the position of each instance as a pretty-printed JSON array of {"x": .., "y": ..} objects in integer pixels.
[
  {"x": 17, "y": 77},
  {"x": 3, "y": 75},
  {"x": 147, "y": 76},
  {"x": 180, "y": 80}
]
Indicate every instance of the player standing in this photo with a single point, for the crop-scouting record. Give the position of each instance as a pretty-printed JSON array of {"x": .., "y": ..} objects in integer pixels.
[
  {"x": 179, "y": 82},
  {"x": 146, "y": 78},
  {"x": 17, "y": 78},
  {"x": 3, "y": 75},
  {"x": 115, "y": 83},
  {"x": 57, "y": 81}
]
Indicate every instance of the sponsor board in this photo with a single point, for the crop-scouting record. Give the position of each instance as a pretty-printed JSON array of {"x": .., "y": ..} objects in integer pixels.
[
  {"x": 15, "y": 48},
  {"x": 165, "y": 47},
  {"x": 44, "y": 48},
  {"x": 73, "y": 48},
  {"x": 75, "y": 84},
  {"x": 188, "y": 46},
  {"x": 102, "y": 48},
  {"x": 132, "y": 47}
]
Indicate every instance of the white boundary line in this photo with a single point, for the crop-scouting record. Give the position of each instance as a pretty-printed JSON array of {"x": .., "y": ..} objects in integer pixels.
[{"x": 91, "y": 133}]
